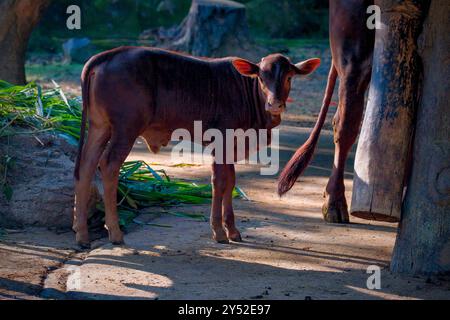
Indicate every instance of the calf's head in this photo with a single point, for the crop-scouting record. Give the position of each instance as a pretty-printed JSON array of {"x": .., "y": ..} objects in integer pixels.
[{"x": 274, "y": 74}]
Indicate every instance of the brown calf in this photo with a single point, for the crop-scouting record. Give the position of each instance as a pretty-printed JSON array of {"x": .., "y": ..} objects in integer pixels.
[
  {"x": 352, "y": 45},
  {"x": 135, "y": 91}
]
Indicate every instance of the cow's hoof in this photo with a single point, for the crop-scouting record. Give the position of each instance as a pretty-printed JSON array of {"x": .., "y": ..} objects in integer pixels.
[
  {"x": 335, "y": 212},
  {"x": 235, "y": 238},
  {"x": 225, "y": 241},
  {"x": 234, "y": 235},
  {"x": 220, "y": 236}
]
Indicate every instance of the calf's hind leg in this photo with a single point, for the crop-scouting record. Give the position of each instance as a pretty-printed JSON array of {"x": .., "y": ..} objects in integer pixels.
[
  {"x": 110, "y": 163},
  {"x": 97, "y": 138}
]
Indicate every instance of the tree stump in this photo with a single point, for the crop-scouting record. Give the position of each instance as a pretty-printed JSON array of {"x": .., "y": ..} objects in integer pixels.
[
  {"x": 423, "y": 241},
  {"x": 213, "y": 28},
  {"x": 385, "y": 140}
]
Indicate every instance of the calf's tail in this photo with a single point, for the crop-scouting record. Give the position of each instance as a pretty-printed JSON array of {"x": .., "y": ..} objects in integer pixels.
[
  {"x": 85, "y": 83},
  {"x": 300, "y": 160},
  {"x": 86, "y": 75}
]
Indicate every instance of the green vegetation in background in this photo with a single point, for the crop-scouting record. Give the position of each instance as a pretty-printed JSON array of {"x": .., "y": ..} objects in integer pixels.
[
  {"x": 103, "y": 19},
  {"x": 53, "y": 71},
  {"x": 29, "y": 110},
  {"x": 121, "y": 22},
  {"x": 287, "y": 18},
  {"x": 292, "y": 44}
]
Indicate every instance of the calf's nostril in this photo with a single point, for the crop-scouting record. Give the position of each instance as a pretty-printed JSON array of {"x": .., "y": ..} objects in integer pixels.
[{"x": 274, "y": 105}]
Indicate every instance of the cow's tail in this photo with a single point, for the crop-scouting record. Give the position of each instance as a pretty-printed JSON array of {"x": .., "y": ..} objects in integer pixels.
[
  {"x": 300, "y": 160},
  {"x": 85, "y": 84}
]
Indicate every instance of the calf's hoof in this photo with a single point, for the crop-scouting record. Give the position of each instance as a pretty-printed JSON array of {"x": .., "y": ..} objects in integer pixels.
[
  {"x": 82, "y": 239},
  {"x": 84, "y": 245},
  {"x": 335, "y": 212},
  {"x": 219, "y": 235},
  {"x": 116, "y": 237}
]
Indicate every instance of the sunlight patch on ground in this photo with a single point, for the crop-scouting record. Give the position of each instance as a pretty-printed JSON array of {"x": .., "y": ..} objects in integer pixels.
[
  {"x": 380, "y": 294},
  {"x": 105, "y": 277}
]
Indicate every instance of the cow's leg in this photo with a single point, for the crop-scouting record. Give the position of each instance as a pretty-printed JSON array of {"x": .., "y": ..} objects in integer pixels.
[
  {"x": 95, "y": 145},
  {"x": 110, "y": 163},
  {"x": 346, "y": 123},
  {"x": 219, "y": 183},
  {"x": 353, "y": 62},
  {"x": 227, "y": 203}
]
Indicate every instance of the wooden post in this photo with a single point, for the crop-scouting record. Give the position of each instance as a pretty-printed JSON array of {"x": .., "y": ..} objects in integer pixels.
[
  {"x": 423, "y": 241},
  {"x": 387, "y": 129}
]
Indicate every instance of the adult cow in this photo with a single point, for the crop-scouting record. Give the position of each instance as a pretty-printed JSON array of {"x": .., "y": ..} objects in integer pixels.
[
  {"x": 352, "y": 44},
  {"x": 149, "y": 92}
]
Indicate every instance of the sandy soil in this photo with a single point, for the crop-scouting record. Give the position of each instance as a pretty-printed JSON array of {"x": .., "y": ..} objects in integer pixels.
[{"x": 288, "y": 252}]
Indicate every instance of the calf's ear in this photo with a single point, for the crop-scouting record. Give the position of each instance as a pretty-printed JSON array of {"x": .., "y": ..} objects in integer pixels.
[
  {"x": 246, "y": 68},
  {"x": 307, "y": 66}
]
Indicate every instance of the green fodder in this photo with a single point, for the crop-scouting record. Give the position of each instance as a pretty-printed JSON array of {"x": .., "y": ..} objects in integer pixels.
[{"x": 28, "y": 109}]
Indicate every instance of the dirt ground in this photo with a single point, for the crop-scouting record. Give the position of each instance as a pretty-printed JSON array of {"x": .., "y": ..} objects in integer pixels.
[{"x": 288, "y": 251}]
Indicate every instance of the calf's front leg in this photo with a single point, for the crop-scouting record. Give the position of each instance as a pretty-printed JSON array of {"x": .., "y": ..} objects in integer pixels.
[
  {"x": 219, "y": 182},
  {"x": 227, "y": 203}
]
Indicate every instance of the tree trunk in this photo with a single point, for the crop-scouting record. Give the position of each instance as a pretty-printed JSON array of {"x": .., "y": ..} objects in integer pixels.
[
  {"x": 423, "y": 241},
  {"x": 386, "y": 134},
  {"x": 17, "y": 20},
  {"x": 212, "y": 28}
]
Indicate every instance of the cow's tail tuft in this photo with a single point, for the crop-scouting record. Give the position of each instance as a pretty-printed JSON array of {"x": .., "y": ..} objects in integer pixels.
[{"x": 302, "y": 157}]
